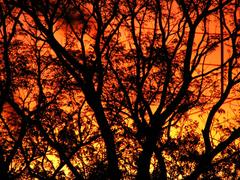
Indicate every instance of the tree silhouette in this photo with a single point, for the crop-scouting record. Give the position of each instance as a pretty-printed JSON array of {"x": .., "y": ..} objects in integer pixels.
[{"x": 104, "y": 89}]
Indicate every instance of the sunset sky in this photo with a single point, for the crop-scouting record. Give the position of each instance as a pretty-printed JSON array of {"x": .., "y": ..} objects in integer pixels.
[{"x": 119, "y": 89}]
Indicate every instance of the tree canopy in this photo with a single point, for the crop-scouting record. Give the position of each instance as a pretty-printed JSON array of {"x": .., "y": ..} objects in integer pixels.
[{"x": 119, "y": 89}]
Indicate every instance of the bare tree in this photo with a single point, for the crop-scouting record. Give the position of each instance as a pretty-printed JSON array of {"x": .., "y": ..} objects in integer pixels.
[{"x": 124, "y": 72}]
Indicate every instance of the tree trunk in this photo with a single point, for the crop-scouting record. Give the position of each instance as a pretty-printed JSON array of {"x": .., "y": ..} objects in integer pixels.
[
  {"x": 108, "y": 137},
  {"x": 144, "y": 160},
  {"x": 3, "y": 166},
  {"x": 162, "y": 166}
]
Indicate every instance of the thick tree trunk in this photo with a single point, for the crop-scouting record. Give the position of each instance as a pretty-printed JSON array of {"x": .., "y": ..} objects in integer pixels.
[
  {"x": 3, "y": 166},
  {"x": 145, "y": 157},
  {"x": 108, "y": 137}
]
